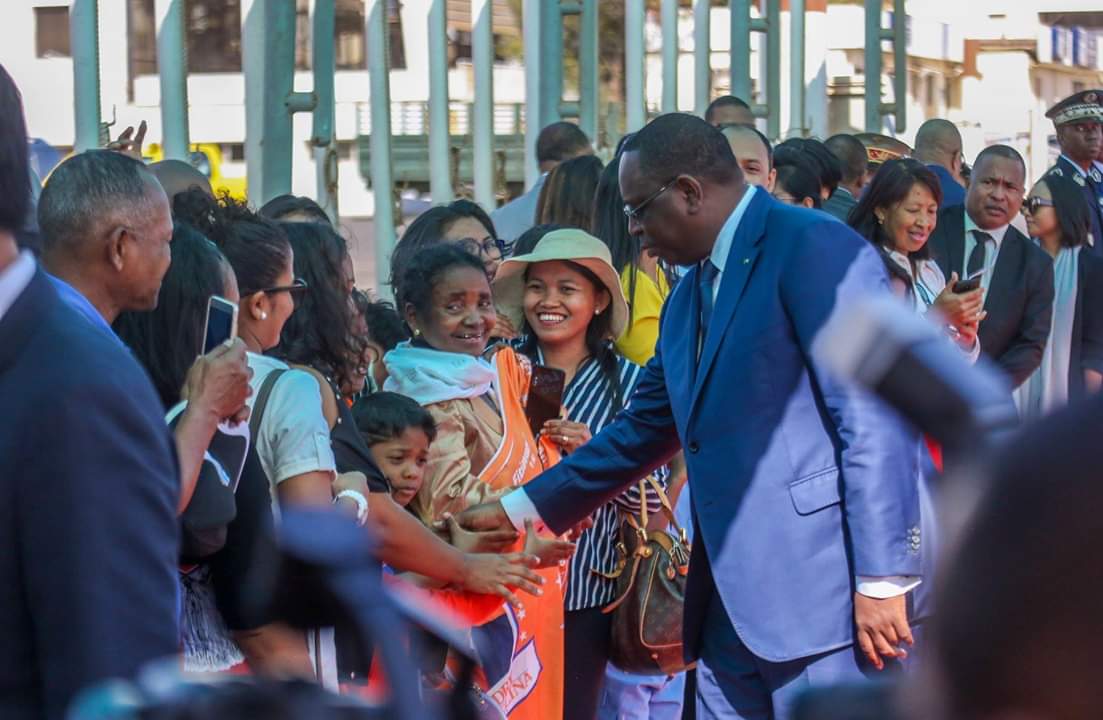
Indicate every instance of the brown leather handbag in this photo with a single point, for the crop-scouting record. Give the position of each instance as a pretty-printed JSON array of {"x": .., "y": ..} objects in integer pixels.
[{"x": 651, "y": 583}]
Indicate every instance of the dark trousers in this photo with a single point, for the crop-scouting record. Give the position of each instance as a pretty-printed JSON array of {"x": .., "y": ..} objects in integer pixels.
[{"x": 585, "y": 653}]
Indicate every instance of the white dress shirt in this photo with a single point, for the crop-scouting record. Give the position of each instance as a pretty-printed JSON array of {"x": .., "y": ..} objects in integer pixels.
[
  {"x": 990, "y": 255},
  {"x": 14, "y": 280},
  {"x": 519, "y": 508}
]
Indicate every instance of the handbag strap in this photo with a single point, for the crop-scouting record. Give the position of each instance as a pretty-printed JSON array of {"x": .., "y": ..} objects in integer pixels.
[
  {"x": 664, "y": 501},
  {"x": 262, "y": 402}
]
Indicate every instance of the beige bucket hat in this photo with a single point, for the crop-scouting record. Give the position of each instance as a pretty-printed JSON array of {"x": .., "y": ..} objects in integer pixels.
[{"x": 571, "y": 244}]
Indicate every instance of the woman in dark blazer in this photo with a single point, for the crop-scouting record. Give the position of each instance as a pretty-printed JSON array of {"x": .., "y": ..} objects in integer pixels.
[{"x": 1072, "y": 365}]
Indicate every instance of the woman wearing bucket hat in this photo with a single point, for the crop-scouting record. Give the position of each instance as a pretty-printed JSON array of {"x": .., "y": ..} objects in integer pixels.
[{"x": 566, "y": 296}]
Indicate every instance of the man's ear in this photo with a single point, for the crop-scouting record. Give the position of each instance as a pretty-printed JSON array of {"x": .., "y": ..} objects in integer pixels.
[
  {"x": 117, "y": 247},
  {"x": 770, "y": 180},
  {"x": 691, "y": 191}
]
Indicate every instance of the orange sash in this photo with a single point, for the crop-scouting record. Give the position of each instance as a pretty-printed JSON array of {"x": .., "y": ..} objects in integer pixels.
[{"x": 530, "y": 685}]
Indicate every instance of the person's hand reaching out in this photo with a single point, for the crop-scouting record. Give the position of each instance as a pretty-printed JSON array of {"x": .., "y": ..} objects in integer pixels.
[{"x": 551, "y": 550}]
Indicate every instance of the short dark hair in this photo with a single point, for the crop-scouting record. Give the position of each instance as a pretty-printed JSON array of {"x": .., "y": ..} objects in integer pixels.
[
  {"x": 1071, "y": 208},
  {"x": 529, "y": 238},
  {"x": 722, "y": 102},
  {"x": 15, "y": 164},
  {"x": 814, "y": 156},
  {"x": 385, "y": 326},
  {"x": 384, "y": 416},
  {"x": 851, "y": 154},
  {"x": 560, "y": 141},
  {"x": 425, "y": 269},
  {"x": 281, "y": 206},
  {"x": 87, "y": 189},
  {"x": 752, "y": 130},
  {"x": 683, "y": 144},
  {"x": 320, "y": 331},
  {"x": 1002, "y": 151},
  {"x": 257, "y": 248},
  {"x": 167, "y": 339},
  {"x": 800, "y": 181},
  {"x": 567, "y": 196},
  {"x": 891, "y": 185},
  {"x": 428, "y": 229}
]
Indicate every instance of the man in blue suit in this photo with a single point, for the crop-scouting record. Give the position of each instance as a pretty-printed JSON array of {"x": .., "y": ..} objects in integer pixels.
[
  {"x": 88, "y": 485},
  {"x": 804, "y": 488}
]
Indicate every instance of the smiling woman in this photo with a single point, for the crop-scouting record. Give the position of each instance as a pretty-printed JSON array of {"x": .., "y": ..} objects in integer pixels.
[{"x": 484, "y": 448}]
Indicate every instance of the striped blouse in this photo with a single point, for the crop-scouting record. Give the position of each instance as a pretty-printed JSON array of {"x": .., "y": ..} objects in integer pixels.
[{"x": 590, "y": 399}]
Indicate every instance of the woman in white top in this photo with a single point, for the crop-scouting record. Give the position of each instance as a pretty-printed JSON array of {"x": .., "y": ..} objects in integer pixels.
[{"x": 898, "y": 213}]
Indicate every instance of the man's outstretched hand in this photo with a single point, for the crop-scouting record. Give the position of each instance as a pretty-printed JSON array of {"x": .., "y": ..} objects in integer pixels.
[{"x": 486, "y": 517}]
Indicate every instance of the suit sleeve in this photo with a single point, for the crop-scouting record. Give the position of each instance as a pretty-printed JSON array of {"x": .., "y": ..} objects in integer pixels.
[
  {"x": 1091, "y": 341},
  {"x": 1024, "y": 354},
  {"x": 100, "y": 540},
  {"x": 830, "y": 269},
  {"x": 641, "y": 439}
]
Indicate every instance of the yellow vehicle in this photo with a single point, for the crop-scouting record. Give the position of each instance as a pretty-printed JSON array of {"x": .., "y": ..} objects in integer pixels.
[{"x": 207, "y": 158}]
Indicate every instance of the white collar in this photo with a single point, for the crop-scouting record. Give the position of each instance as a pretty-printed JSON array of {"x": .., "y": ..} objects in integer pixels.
[
  {"x": 997, "y": 234},
  {"x": 15, "y": 279},
  {"x": 723, "y": 245}
]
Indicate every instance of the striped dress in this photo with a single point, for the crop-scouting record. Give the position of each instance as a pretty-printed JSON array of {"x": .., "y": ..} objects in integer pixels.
[{"x": 590, "y": 399}]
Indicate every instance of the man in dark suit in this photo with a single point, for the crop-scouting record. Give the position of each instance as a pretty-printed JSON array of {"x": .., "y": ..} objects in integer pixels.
[
  {"x": 1078, "y": 120},
  {"x": 938, "y": 146},
  {"x": 88, "y": 488},
  {"x": 851, "y": 154},
  {"x": 803, "y": 488},
  {"x": 1017, "y": 275}
]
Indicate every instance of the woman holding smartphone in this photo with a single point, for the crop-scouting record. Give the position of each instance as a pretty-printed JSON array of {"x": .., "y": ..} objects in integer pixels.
[
  {"x": 898, "y": 213},
  {"x": 567, "y": 298}
]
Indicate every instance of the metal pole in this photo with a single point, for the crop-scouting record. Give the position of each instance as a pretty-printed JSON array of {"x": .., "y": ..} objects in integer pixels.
[
  {"x": 324, "y": 66},
  {"x": 741, "y": 50},
  {"x": 551, "y": 61},
  {"x": 532, "y": 22},
  {"x": 381, "y": 178},
  {"x": 440, "y": 171},
  {"x": 482, "y": 56},
  {"x": 172, "y": 66},
  {"x": 773, "y": 74},
  {"x": 268, "y": 52},
  {"x": 796, "y": 68},
  {"x": 900, "y": 62},
  {"x": 635, "y": 110},
  {"x": 587, "y": 63},
  {"x": 702, "y": 59},
  {"x": 85, "y": 45},
  {"x": 873, "y": 65},
  {"x": 670, "y": 55}
]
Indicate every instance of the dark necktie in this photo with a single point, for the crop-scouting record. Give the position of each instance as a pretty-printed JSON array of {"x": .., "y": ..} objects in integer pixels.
[
  {"x": 706, "y": 276},
  {"x": 976, "y": 258}
]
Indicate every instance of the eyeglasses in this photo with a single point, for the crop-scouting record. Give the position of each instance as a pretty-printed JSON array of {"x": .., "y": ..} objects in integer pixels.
[
  {"x": 295, "y": 289},
  {"x": 486, "y": 247},
  {"x": 1032, "y": 204},
  {"x": 636, "y": 213}
]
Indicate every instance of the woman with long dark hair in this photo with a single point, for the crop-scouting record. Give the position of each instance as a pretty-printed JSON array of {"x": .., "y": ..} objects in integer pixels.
[
  {"x": 644, "y": 281},
  {"x": 567, "y": 197},
  {"x": 897, "y": 214},
  {"x": 567, "y": 297},
  {"x": 1059, "y": 220}
]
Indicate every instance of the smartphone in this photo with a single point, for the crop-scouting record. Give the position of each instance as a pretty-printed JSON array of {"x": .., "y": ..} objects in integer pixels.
[
  {"x": 221, "y": 324},
  {"x": 968, "y": 285},
  {"x": 545, "y": 396}
]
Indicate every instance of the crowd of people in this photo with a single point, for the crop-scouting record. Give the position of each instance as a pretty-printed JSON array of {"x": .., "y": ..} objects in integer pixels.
[{"x": 674, "y": 293}]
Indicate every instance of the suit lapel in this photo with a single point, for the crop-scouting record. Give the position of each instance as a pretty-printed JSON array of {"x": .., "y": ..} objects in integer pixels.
[
  {"x": 1003, "y": 283},
  {"x": 740, "y": 263},
  {"x": 955, "y": 244}
]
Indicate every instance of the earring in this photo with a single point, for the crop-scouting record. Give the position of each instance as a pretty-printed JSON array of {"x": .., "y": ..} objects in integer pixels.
[
  {"x": 417, "y": 332},
  {"x": 263, "y": 315},
  {"x": 597, "y": 312}
]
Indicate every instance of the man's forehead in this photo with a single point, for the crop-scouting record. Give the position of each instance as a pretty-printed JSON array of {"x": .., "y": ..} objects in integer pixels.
[{"x": 996, "y": 166}]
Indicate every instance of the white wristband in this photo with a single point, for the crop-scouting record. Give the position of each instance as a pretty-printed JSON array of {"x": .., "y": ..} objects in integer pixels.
[{"x": 361, "y": 504}]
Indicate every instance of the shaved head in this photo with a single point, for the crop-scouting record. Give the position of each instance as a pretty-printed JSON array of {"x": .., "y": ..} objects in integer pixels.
[
  {"x": 937, "y": 137},
  {"x": 177, "y": 176}
]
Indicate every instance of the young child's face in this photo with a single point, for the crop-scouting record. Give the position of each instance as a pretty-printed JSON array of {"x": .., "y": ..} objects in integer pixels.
[{"x": 402, "y": 460}]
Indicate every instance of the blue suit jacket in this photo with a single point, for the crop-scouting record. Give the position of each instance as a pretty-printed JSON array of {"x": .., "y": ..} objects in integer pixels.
[
  {"x": 799, "y": 483},
  {"x": 88, "y": 492}
]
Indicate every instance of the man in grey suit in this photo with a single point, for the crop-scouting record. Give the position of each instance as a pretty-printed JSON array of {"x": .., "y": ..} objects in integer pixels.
[{"x": 556, "y": 143}]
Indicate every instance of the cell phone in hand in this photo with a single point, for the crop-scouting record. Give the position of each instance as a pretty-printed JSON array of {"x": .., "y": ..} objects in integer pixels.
[
  {"x": 545, "y": 396},
  {"x": 968, "y": 285},
  {"x": 221, "y": 323}
]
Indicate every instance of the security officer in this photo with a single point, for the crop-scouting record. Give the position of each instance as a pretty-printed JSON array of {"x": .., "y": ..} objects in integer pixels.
[{"x": 1079, "y": 122}]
